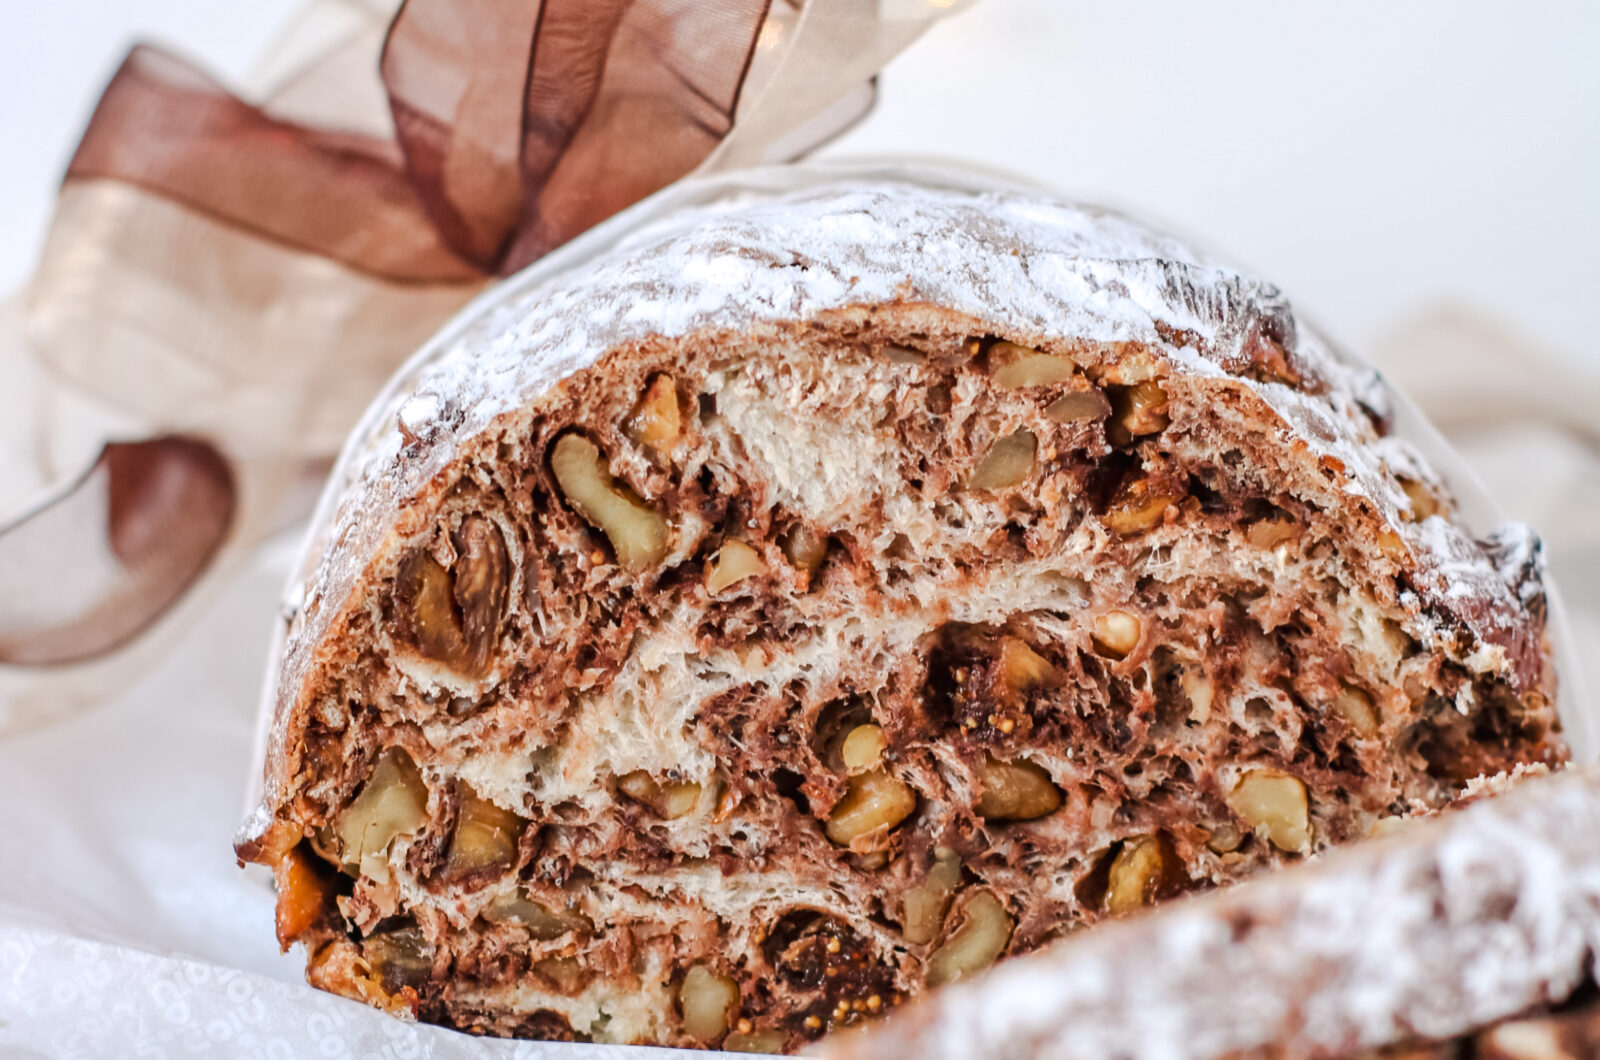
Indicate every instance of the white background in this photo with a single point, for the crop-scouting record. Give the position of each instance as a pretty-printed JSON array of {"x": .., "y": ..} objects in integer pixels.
[{"x": 1374, "y": 158}]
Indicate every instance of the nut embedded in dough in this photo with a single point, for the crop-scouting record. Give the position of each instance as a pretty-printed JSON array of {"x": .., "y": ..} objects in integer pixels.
[
  {"x": 1137, "y": 410},
  {"x": 734, "y": 562},
  {"x": 1008, "y": 462},
  {"x": 1136, "y": 874},
  {"x": 1274, "y": 802},
  {"x": 1116, "y": 633},
  {"x": 1013, "y": 367},
  {"x": 708, "y": 1001},
  {"x": 983, "y": 931},
  {"x": 393, "y": 802},
  {"x": 1016, "y": 791},
  {"x": 657, "y": 423},
  {"x": 635, "y": 531},
  {"x": 872, "y": 801},
  {"x": 926, "y": 904},
  {"x": 485, "y": 836}
]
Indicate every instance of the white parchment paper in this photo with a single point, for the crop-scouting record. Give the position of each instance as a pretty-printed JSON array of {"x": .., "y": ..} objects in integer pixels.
[{"x": 127, "y": 930}]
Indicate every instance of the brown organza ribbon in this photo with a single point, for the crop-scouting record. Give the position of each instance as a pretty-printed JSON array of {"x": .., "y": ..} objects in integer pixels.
[{"x": 240, "y": 277}]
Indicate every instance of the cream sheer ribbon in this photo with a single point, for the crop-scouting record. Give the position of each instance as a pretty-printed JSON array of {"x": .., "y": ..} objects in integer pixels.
[{"x": 226, "y": 284}]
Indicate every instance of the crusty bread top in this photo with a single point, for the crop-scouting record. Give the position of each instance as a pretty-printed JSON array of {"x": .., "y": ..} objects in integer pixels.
[{"x": 1028, "y": 268}]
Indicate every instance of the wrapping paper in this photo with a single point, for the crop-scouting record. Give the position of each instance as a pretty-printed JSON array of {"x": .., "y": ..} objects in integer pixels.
[
  {"x": 239, "y": 273},
  {"x": 125, "y": 927}
]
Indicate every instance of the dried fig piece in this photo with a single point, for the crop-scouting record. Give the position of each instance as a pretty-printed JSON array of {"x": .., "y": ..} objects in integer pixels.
[{"x": 454, "y": 616}]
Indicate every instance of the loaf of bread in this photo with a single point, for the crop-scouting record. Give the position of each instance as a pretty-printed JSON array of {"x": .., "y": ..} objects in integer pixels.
[{"x": 824, "y": 595}]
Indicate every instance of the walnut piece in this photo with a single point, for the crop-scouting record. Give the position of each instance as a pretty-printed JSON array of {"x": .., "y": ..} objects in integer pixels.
[
  {"x": 1016, "y": 791},
  {"x": 1268, "y": 534},
  {"x": 1008, "y": 462},
  {"x": 657, "y": 422},
  {"x": 454, "y": 616},
  {"x": 1356, "y": 707},
  {"x": 927, "y": 903},
  {"x": 1136, "y": 874},
  {"x": 1013, "y": 367},
  {"x": 485, "y": 836},
  {"x": 975, "y": 944},
  {"x": 1135, "y": 411},
  {"x": 1138, "y": 506},
  {"x": 672, "y": 800},
  {"x": 1023, "y": 669},
  {"x": 544, "y": 923},
  {"x": 863, "y": 748},
  {"x": 1079, "y": 406},
  {"x": 873, "y": 803},
  {"x": 635, "y": 530},
  {"x": 1274, "y": 803},
  {"x": 393, "y": 802},
  {"x": 1116, "y": 633},
  {"x": 733, "y": 563},
  {"x": 1200, "y": 690},
  {"x": 805, "y": 548},
  {"x": 708, "y": 1001}
]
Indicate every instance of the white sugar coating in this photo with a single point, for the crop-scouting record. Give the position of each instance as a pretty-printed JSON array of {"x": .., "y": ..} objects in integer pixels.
[
  {"x": 1029, "y": 268},
  {"x": 1451, "y": 924}
]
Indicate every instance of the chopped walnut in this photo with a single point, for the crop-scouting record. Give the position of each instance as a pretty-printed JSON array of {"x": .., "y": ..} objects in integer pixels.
[
  {"x": 1116, "y": 633},
  {"x": 635, "y": 530},
  {"x": 979, "y": 940},
  {"x": 873, "y": 803},
  {"x": 1274, "y": 803},
  {"x": 393, "y": 802},
  {"x": 1008, "y": 462},
  {"x": 1016, "y": 791},
  {"x": 734, "y": 562},
  {"x": 657, "y": 422}
]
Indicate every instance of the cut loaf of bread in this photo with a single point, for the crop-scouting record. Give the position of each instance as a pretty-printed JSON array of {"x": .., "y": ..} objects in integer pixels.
[{"x": 823, "y": 596}]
